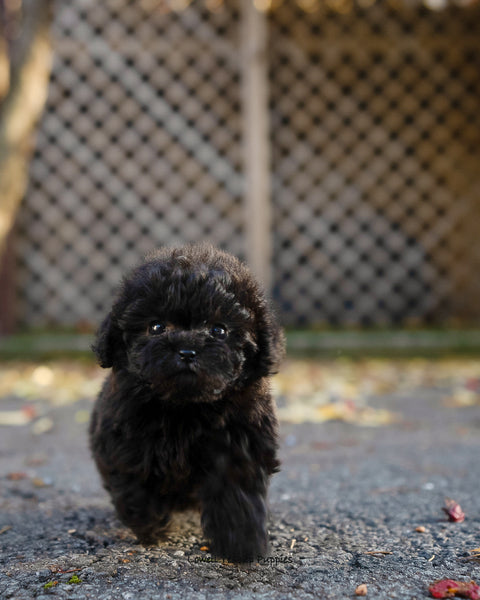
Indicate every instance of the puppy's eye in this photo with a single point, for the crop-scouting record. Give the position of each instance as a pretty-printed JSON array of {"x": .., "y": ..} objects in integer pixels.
[
  {"x": 156, "y": 328},
  {"x": 219, "y": 331}
]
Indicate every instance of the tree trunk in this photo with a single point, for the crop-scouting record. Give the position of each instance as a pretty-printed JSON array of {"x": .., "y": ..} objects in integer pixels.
[{"x": 25, "y": 62}]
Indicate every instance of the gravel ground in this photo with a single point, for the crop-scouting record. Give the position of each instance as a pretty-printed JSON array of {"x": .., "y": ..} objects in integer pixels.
[{"x": 344, "y": 511}]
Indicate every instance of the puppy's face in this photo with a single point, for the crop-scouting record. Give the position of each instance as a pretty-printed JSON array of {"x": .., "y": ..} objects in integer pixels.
[
  {"x": 195, "y": 362},
  {"x": 186, "y": 335},
  {"x": 191, "y": 324}
]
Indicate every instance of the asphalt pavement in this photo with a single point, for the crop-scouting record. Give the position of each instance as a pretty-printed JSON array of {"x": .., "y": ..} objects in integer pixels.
[{"x": 353, "y": 504}]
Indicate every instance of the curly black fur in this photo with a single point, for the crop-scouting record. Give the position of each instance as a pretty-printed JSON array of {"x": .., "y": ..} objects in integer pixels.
[{"x": 185, "y": 417}]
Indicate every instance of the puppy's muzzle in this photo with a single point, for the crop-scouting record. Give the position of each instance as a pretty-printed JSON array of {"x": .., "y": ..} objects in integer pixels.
[{"x": 187, "y": 356}]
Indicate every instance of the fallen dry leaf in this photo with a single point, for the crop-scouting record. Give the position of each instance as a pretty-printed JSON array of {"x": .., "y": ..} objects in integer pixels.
[
  {"x": 36, "y": 460},
  {"x": 475, "y": 555},
  {"x": 319, "y": 391},
  {"x": 448, "y": 588},
  {"x": 58, "y": 383},
  {"x": 322, "y": 390},
  {"x": 361, "y": 590},
  {"x": 453, "y": 511},
  {"x": 17, "y": 417},
  {"x": 39, "y": 482},
  {"x": 17, "y": 476}
]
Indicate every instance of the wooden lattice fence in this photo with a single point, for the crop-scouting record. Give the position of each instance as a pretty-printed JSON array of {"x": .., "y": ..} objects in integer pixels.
[
  {"x": 374, "y": 149},
  {"x": 376, "y": 144}
]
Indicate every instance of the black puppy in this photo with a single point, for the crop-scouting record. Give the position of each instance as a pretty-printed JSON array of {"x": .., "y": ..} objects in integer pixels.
[{"x": 186, "y": 418}]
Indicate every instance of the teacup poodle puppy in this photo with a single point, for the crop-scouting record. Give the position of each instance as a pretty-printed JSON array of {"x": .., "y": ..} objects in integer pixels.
[{"x": 185, "y": 418}]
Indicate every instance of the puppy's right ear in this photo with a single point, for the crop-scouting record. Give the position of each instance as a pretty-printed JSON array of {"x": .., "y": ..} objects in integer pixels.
[{"x": 108, "y": 342}]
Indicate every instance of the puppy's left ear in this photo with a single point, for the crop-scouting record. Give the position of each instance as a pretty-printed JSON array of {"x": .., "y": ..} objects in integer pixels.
[
  {"x": 270, "y": 342},
  {"x": 108, "y": 342}
]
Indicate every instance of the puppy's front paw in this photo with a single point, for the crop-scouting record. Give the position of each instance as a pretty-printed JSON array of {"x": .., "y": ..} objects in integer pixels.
[
  {"x": 240, "y": 546},
  {"x": 235, "y": 524}
]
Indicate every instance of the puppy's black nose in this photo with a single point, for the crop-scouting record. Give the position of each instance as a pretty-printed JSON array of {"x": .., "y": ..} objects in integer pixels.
[{"x": 187, "y": 355}]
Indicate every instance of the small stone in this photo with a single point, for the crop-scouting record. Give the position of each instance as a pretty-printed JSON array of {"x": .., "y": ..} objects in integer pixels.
[
  {"x": 361, "y": 590},
  {"x": 421, "y": 529},
  {"x": 44, "y": 574}
]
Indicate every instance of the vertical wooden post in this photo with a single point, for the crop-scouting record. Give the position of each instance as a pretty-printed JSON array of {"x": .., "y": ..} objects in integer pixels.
[
  {"x": 256, "y": 142},
  {"x": 7, "y": 295}
]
